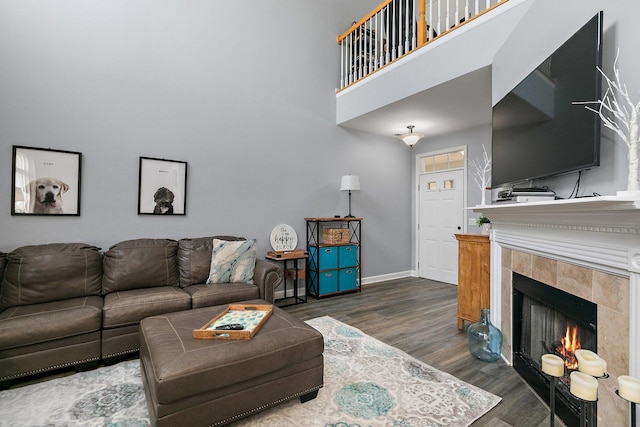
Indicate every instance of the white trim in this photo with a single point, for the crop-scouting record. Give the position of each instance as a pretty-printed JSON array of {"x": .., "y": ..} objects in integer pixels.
[
  {"x": 278, "y": 294},
  {"x": 634, "y": 325},
  {"x": 389, "y": 276},
  {"x": 599, "y": 233},
  {"x": 495, "y": 298}
]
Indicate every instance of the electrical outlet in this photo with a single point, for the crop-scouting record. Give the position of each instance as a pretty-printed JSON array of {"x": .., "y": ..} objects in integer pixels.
[{"x": 472, "y": 221}]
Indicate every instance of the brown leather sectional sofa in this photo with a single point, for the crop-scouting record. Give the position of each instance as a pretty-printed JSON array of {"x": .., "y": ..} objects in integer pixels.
[{"x": 69, "y": 304}]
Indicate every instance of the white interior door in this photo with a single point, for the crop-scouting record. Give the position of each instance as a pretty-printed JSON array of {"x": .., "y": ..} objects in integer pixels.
[{"x": 441, "y": 216}]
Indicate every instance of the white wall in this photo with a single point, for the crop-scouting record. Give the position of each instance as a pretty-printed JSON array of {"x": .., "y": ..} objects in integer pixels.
[{"x": 244, "y": 91}]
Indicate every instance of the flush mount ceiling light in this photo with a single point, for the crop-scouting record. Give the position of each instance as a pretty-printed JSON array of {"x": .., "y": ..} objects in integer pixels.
[{"x": 410, "y": 138}]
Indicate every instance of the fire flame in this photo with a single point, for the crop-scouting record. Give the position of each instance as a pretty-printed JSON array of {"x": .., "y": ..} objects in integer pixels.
[{"x": 568, "y": 346}]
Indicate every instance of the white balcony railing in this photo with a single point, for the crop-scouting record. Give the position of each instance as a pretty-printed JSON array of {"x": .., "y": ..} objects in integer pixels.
[{"x": 398, "y": 27}]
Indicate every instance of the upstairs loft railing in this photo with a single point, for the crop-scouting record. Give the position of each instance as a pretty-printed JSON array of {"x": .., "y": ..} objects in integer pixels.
[{"x": 398, "y": 27}]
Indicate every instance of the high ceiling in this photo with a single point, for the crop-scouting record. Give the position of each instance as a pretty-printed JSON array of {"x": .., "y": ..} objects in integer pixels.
[
  {"x": 443, "y": 87},
  {"x": 458, "y": 104}
]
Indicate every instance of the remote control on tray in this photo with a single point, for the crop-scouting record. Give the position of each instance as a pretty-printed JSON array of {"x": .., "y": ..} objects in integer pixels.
[{"x": 230, "y": 327}]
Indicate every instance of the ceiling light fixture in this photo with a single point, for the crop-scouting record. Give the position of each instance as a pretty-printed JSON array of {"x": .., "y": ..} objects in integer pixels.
[{"x": 410, "y": 138}]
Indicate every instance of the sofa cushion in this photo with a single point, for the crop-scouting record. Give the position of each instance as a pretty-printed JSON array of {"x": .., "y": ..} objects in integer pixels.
[
  {"x": 44, "y": 273},
  {"x": 124, "y": 308},
  {"x": 221, "y": 293},
  {"x": 194, "y": 258},
  {"x": 140, "y": 263},
  {"x": 39, "y": 323},
  {"x": 232, "y": 261}
]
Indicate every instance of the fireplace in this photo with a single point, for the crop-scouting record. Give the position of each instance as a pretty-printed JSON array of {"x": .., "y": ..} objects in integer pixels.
[
  {"x": 549, "y": 320},
  {"x": 587, "y": 247}
]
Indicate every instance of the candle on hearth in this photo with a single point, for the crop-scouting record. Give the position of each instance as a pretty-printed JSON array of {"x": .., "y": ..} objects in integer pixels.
[
  {"x": 552, "y": 365},
  {"x": 590, "y": 363},
  {"x": 629, "y": 388},
  {"x": 584, "y": 386}
]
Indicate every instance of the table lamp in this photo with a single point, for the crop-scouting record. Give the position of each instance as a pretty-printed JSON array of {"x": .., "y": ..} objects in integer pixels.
[{"x": 350, "y": 183}]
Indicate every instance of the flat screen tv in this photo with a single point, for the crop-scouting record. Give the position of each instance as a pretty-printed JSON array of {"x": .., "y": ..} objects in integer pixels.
[{"x": 538, "y": 131}]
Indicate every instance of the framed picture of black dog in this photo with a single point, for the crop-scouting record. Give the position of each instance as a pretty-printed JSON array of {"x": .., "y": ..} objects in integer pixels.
[
  {"x": 45, "y": 181},
  {"x": 162, "y": 187}
]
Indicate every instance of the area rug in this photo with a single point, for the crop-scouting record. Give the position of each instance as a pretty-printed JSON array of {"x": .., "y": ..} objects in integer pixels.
[{"x": 366, "y": 383}]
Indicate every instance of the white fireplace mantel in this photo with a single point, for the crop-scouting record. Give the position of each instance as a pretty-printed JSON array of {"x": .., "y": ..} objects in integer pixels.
[
  {"x": 604, "y": 213},
  {"x": 602, "y": 233}
]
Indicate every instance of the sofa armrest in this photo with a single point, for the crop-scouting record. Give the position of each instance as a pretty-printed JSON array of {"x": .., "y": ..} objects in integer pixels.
[{"x": 267, "y": 276}]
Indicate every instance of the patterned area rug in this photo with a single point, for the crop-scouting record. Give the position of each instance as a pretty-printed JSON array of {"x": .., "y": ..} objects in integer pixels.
[{"x": 367, "y": 383}]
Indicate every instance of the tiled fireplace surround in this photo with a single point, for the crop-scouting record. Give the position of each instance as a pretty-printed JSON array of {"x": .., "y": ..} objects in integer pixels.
[{"x": 586, "y": 247}]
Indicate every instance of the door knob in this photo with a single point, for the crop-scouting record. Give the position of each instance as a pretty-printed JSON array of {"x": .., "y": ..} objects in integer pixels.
[{"x": 459, "y": 228}]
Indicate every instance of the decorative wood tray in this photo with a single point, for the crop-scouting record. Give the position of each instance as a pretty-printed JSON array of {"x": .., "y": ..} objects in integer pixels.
[
  {"x": 251, "y": 316},
  {"x": 282, "y": 255}
]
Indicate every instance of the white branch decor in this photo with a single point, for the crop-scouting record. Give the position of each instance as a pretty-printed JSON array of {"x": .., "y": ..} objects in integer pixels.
[
  {"x": 480, "y": 173},
  {"x": 621, "y": 115}
]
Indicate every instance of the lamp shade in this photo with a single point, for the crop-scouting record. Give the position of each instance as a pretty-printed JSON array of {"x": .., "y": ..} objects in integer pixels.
[
  {"x": 410, "y": 138},
  {"x": 350, "y": 182}
]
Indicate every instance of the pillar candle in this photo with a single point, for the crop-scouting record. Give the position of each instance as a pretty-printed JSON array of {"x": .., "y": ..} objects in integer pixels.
[
  {"x": 590, "y": 363},
  {"x": 629, "y": 388},
  {"x": 584, "y": 386},
  {"x": 552, "y": 365}
]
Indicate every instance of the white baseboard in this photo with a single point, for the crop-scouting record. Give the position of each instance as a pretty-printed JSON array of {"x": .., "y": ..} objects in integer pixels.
[
  {"x": 390, "y": 276},
  {"x": 365, "y": 281}
]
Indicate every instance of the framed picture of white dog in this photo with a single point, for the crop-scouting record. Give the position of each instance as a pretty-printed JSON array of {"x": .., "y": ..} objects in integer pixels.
[
  {"x": 45, "y": 181},
  {"x": 162, "y": 187}
]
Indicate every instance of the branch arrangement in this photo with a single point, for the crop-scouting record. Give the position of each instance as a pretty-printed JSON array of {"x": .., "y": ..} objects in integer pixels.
[
  {"x": 618, "y": 113},
  {"x": 481, "y": 171}
]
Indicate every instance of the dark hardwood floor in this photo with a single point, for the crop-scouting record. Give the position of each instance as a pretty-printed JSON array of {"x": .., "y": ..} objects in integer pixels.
[{"x": 418, "y": 316}]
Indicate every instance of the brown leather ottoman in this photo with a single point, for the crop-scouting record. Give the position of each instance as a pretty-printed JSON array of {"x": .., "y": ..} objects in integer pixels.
[{"x": 199, "y": 382}]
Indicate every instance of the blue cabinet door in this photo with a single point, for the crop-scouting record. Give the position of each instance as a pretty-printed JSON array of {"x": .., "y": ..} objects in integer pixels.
[
  {"x": 328, "y": 281},
  {"x": 348, "y": 279},
  {"x": 327, "y": 257},
  {"x": 347, "y": 256}
]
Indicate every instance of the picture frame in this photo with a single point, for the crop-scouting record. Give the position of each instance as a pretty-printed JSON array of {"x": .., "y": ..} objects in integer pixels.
[
  {"x": 45, "y": 181},
  {"x": 162, "y": 187}
]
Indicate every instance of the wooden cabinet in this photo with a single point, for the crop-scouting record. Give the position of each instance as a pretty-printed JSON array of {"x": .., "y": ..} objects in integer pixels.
[
  {"x": 333, "y": 265},
  {"x": 474, "y": 254}
]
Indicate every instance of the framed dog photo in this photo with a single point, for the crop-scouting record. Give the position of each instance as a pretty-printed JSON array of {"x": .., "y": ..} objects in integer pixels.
[
  {"x": 162, "y": 187},
  {"x": 45, "y": 181}
]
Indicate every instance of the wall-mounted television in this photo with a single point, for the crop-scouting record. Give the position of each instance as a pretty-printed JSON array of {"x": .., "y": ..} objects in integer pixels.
[{"x": 538, "y": 131}]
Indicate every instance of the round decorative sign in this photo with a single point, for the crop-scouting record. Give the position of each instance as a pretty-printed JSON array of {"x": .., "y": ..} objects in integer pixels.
[{"x": 283, "y": 238}]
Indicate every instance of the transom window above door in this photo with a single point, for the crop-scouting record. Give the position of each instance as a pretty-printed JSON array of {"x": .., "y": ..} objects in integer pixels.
[{"x": 443, "y": 161}]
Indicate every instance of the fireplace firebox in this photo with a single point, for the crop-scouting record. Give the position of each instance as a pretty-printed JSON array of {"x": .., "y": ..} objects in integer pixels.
[{"x": 548, "y": 320}]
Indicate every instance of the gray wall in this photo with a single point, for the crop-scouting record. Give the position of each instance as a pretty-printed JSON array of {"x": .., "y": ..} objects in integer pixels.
[
  {"x": 521, "y": 53},
  {"x": 528, "y": 45},
  {"x": 244, "y": 91}
]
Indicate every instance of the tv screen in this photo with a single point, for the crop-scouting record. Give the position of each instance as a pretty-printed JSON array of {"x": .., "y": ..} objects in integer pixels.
[{"x": 537, "y": 130}]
